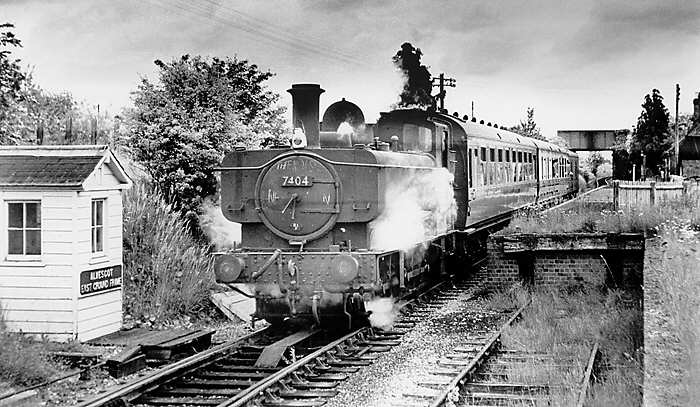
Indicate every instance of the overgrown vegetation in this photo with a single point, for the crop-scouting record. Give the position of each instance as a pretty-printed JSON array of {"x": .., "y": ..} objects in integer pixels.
[
  {"x": 22, "y": 360},
  {"x": 566, "y": 324},
  {"x": 168, "y": 273},
  {"x": 589, "y": 218},
  {"x": 672, "y": 282}
]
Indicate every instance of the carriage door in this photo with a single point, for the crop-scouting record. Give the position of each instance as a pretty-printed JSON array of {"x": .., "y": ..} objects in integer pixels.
[{"x": 448, "y": 153}]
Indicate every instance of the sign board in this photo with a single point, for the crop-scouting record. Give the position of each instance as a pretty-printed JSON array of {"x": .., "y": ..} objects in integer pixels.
[{"x": 92, "y": 281}]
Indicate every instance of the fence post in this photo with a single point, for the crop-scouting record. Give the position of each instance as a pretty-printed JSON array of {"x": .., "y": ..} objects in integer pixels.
[
  {"x": 616, "y": 195},
  {"x": 652, "y": 193}
]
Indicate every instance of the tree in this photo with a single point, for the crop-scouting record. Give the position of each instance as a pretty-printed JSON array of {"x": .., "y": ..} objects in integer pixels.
[
  {"x": 594, "y": 161},
  {"x": 61, "y": 118},
  {"x": 622, "y": 165},
  {"x": 651, "y": 138},
  {"x": 197, "y": 111},
  {"x": 528, "y": 127},
  {"x": 11, "y": 80},
  {"x": 417, "y": 79},
  {"x": 11, "y": 75}
]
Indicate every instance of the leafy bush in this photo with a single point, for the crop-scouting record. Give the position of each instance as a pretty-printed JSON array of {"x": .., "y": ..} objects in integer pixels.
[
  {"x": 167, "y": 272},
  {"x": 198, "y": 110},
  {"x": 22, "y": 360}
]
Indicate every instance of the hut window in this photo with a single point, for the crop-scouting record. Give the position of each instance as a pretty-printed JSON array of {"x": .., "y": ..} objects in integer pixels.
[
  {"x": 24, "y": 228},
  {"x": 97, "y": 228}
]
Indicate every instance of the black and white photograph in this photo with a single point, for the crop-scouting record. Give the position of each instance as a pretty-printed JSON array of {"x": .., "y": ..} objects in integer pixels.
[{"x": 349, "y": 203}]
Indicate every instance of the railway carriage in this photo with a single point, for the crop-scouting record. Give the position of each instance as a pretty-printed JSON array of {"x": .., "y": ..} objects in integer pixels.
[{"x": 312, "y": 213}]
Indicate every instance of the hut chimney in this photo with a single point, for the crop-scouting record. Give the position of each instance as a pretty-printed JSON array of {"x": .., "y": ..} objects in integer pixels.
[{"x": 305, "y": 101}]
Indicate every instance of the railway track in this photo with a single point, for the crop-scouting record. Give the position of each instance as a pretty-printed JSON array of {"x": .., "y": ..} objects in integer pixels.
[
  {"x": 275, "y": 369},
  {"x": 271, "y": 368},
  {"x": 494, "y": 376}
]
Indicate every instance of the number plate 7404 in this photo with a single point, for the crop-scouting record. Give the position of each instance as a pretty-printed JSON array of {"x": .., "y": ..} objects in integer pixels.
[{"x": 297, "y": 181}]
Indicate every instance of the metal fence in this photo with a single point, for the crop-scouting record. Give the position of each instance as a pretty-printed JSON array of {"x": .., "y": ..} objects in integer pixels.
[{"x": 646, "y": 193}]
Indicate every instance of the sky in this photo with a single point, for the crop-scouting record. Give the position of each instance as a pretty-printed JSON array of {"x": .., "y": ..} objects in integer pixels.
[{"x": 582, "y": 64}]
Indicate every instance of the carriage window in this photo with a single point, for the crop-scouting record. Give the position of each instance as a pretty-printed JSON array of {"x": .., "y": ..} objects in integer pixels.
[
  {"x": 507, "y": 156},
  {"x": 520, "y": 156},
  {"x": 483, "y": 153},
  {"x": 417, "y": 138},
  {"x": 492, "y": 155},
  {"x": 500, "y": 155}
]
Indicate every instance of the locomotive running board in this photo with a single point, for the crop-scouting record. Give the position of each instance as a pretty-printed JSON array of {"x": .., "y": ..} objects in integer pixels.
[{"x": 272, "y": 354}]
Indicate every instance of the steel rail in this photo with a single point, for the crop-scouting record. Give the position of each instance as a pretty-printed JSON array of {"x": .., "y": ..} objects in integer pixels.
[
  {"x": 170, "y": 370},
  {"x": 259, "y": 387},
  {"x": 51, "y": 381},
  {"x": 254, "y": 391},
  {"x": 477, "y": 360}
]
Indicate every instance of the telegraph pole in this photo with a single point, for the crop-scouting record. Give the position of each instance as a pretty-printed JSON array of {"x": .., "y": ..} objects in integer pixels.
[
  {"x": 441, "y": 83},
  {"x": 678, "y": 97}
]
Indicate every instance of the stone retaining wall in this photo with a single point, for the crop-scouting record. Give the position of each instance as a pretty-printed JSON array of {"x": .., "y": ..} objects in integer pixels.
[{"x": 556, "y": 259}]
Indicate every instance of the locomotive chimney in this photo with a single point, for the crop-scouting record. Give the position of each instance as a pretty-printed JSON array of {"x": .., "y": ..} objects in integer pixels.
[
  {"x": 305, "y": 97},
  {"x": 696, "y": 109}
]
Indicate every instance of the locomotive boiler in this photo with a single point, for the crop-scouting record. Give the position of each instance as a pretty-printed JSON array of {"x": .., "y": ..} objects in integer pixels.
[{"x": 341, "y": 216}]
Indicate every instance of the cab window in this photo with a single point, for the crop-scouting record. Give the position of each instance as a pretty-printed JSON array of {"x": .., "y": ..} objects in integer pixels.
[{"x": 417, "y": 138}]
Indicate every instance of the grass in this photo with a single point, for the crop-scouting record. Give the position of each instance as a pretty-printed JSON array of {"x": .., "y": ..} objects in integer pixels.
[
  {"x": 582, "y": 217},
  {"x": 674, "y": 316},
  {"x": 23, "y": 361},
  {"x": 168, "y": 273},
  {"x": 566, "y": 323}
]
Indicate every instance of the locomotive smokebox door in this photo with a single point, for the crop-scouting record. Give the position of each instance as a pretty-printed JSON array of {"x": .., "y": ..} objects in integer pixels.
[{"x": 298, "y": 196}]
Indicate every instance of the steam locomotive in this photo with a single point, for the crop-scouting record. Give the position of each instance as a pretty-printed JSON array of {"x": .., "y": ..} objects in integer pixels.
[{"x": 351, "y": 211}]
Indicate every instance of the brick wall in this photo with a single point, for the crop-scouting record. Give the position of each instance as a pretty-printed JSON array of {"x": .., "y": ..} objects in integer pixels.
[
  {"x": 502, "y": 270},
  {"x": 556, "y": 261}
]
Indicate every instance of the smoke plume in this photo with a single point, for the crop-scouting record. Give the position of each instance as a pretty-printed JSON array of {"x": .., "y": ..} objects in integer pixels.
[
  {"x": 417, "y": 79},
  {"x": 222, "y": 233},
  {"x": 419, "y": 206}
]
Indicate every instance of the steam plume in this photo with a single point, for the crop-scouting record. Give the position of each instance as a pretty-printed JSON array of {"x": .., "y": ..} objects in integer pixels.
[
  {"x": 222, "y": 233},
  {"x": 384, "y": 312},
  {"x": 419, "y": 206}
]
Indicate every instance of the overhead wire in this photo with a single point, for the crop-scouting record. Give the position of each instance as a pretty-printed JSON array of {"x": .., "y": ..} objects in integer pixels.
[
  {"x": 276, "y": 40},
  {"x": 264, "y": 24}
]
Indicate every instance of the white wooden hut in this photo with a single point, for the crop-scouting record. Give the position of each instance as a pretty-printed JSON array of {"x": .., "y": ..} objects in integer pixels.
[{"x": 61, "y": 240}]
